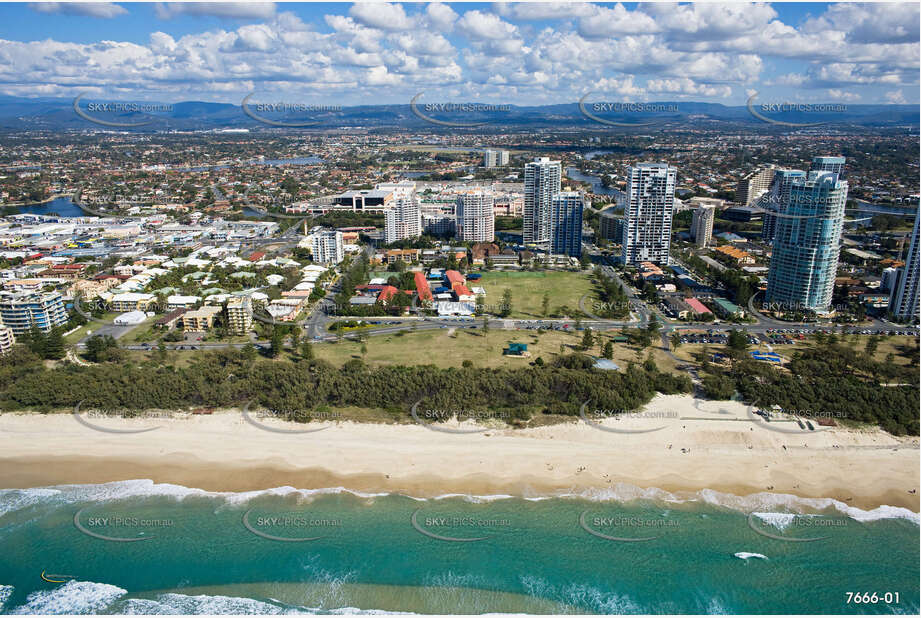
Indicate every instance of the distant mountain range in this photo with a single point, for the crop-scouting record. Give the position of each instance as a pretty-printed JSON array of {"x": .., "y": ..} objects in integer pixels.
[{"x": 55, "y": 114}]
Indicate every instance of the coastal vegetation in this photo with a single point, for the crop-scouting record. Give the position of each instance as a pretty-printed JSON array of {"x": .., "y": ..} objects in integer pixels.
[
  {"x": 832, "y": 380},
  {"x": 232, "y": 377}
]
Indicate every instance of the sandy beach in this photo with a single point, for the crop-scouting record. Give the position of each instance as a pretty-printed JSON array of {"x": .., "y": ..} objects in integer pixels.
[{"x": 686, "y": 445}]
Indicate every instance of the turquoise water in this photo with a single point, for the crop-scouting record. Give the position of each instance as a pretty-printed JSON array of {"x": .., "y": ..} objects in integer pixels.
[{"x": 226, "y": 553}]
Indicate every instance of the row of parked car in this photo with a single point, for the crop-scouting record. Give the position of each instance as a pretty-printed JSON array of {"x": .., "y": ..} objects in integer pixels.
[
  {"x": 778, "y": 339},
  {"x": 865, "y": 331},
  {"x": 718, "y": 338}
]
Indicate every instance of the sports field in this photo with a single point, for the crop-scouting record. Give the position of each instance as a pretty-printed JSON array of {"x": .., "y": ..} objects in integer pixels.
[{"x": 528, "y": 289}]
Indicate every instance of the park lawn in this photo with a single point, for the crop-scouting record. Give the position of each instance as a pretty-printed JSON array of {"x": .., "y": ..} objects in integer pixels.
[
  {"x": 228, "y": 339},
  {"x": 897, "y": 345},
  {"x": 689, "y": 352},
  {"x": 528, "y": 288},
  {"x": 439, "y": 348},
  {"x": 144, "y": 332}
]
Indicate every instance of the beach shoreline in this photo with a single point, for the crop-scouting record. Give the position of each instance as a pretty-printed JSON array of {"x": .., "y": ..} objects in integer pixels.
[{"x": 686, "y": 446}]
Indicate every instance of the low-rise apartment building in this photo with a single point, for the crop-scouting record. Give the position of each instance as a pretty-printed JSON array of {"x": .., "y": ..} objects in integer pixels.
[
  {"x": 132, "y": 301},
  {"x": 200, "y": 320},
  {"x": 181, "y": 302},
  {"x": 239, "y": 315}
]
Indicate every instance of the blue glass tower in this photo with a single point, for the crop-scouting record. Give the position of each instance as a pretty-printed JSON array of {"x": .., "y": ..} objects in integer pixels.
[
  {"x": 807, "y": 242},
  {"x": 566, "y": 215}
]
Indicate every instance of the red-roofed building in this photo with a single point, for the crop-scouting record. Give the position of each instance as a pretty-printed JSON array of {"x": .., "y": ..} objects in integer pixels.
[
  {"x": 256, "y": 256},
  {"x": 454, "y": 279},
  {"x": 387, "y": 292},
  {"x": 463, "y": 293},
  {"x": 422, "y": 286},
  {"x": 697, "y": 306},
  {"x": 369, "y": 289}
]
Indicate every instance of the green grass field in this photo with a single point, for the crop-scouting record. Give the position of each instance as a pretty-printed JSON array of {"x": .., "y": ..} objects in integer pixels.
[
  {"x": 444, "y": 348},
  {"x": 528, "y": 288}
]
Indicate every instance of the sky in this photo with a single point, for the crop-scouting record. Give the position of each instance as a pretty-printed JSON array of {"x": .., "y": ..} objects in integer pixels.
[{"x": 501, "y": 53}]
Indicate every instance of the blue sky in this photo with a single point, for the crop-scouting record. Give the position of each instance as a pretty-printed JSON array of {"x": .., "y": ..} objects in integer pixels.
[{"x": 491, "y": 52}]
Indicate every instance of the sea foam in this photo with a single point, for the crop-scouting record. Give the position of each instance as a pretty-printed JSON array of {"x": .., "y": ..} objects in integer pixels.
[
  {"x": 202, "y": 604},
  {"x": 173, "y": 603},
  {"x": 744, "y": 555},
  {"x": 74, "y": 597},
  {"x": 5, "y": 593},
  {"x": 762, "y": 502}
]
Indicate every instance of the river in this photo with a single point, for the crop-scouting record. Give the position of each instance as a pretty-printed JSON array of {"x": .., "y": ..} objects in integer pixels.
[
  {"x": 61, "y": 206},
  {"x": 597, "y": 187}
]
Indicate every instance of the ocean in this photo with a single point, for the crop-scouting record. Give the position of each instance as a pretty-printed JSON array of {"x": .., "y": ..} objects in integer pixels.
[{"x": 137, "y": 547}]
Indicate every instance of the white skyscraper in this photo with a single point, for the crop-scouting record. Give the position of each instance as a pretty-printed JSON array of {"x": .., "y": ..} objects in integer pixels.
[
  {"x": 903, "y": 303},
  {"x": 541, "y": 182},
  {"x": 476, "y": 216},
  {"x": 403, "y": 219},
  {"x": 754, "y": 185},
  {"x": 327, "y": 247},
  {"x": 702, "y": 224},
  {"x": 494, "y": 158},
  {"x": 648, "y": 213},
  {"x": 889, "y": 279}
]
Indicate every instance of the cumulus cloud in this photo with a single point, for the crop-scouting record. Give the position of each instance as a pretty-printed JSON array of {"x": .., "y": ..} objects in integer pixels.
[
  {"x": 384, "y": 16},
  {"x": 873, "y": 23},
  {"x": 843, "y": 95},
  {"x": 440, "y": 16},
  {"x": 710, "y": 20},
  {"x": 687, "y": 87},
  {"x": 481, "y": 26},
  {"x": 380, "y": 76},
  {"x": 357, "y": 36},
  {"x": 257, "y": 37},
  {"x": 537, "y": 52},
  {"x": 423, "y": 43},
  {"x": 896, "y": 96},
  {"x": 535, "y": 11},
  {"x": 605, "y": 22},
  {"x": 620, "y": 90},
  {"x": 106, "y": 10}
]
